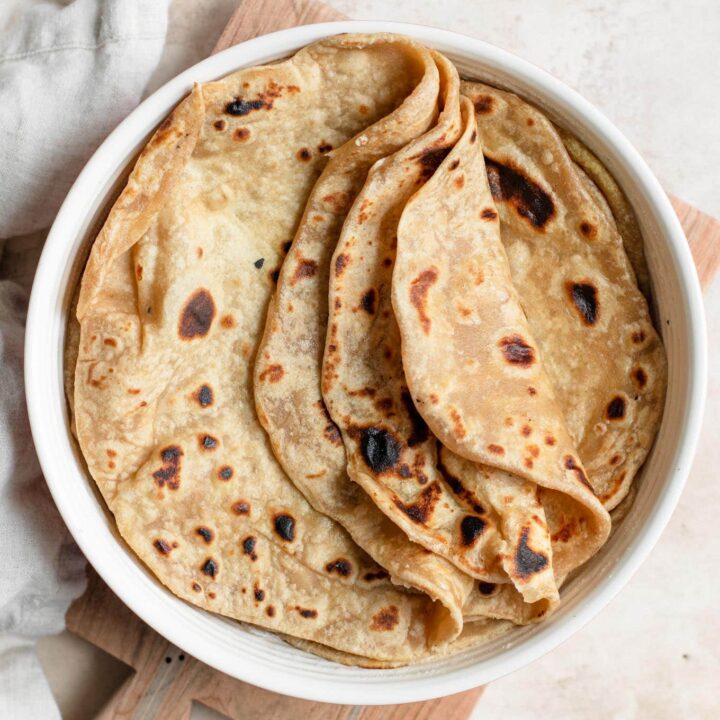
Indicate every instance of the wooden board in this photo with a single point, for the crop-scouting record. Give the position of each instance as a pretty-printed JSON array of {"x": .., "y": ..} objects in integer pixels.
[
  {"x": 260, "y": 17},
  {"x": 703, "y": 234},
  {"x": 166, "y": 681}
]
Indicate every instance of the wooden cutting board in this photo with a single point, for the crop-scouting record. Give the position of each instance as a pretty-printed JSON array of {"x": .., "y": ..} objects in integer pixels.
[{"x": 166, "y": 681}]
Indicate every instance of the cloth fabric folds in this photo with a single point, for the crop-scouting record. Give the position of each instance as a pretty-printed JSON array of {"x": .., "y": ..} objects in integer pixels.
[{"x": 69, "y": 72}]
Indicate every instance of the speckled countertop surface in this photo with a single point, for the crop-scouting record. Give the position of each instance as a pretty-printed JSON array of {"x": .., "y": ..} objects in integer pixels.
[{"x": 652, "y": 67}]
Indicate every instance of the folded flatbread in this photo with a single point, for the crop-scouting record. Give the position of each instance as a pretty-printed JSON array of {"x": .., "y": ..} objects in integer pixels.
[
  {"x": 287, "y": 372},
  {"x": 477, "y": 379},
  {"x": 171, "y": 309},
  {"x": 290, "y": 404},
  {"x": 568, "y": 258}
]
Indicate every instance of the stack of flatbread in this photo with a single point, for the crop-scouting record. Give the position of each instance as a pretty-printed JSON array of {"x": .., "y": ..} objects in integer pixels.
[{"x": 360, "y": 354}]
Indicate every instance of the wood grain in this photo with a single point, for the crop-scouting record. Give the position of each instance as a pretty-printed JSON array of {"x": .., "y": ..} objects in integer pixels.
[
  {"x": 166, "y": 681},
  {"x": 259, "y": 17},
  {"x": 703, "y": 234}
]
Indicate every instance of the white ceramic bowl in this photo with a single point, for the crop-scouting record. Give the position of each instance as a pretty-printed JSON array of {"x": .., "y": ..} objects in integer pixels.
[{"x": 257, "y": 656}]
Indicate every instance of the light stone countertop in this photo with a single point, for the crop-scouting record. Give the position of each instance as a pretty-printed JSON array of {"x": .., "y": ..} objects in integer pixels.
[{"x": 652, "y": 67}]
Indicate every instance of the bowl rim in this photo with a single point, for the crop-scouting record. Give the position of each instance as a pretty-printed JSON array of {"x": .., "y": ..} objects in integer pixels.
[{"x": 46, "y": 298}]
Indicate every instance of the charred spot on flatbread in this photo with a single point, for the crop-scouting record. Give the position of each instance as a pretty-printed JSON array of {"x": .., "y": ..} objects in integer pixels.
[
  {"x": 196, "y": 315},
  {"x": 471, "y": 528},
  {"x": 386, "y": 619},
  {"x": 284, "y": 525},
  {"x": 517, "y": 351},
  {"x": 421, "y": 511},
  {"x": 380, "y": 449},
  {"x": 527, "y": 561},
  {"x": 530, "y": 201},
  {"x": 419, "y": 289},
  {"x": 584, "y": 297},
  {"x": 169, "y": 473}
]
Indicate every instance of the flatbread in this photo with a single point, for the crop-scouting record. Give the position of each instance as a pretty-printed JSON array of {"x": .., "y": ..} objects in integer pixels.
[
  {"x": 287, "y": 373},
  {"x": 391, "y": 453},
  {"x": 476, "y": 378},
  {"x": 577, "y": 287},
  {"x": 621, "y": 211},
  {"x": 474, "y": 633},
  {"x": 171, "y": 309}
]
